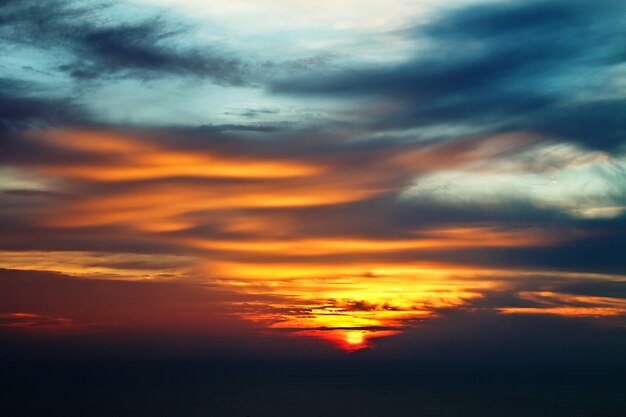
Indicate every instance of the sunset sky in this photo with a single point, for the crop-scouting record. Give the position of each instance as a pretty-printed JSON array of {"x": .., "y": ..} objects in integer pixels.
[{"x": 346, "y": 180}]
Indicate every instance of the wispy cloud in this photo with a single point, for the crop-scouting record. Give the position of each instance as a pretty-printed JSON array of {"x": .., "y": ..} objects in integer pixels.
[
  {"x": 513, "y": 66},
  {"x": 99, "y": 42},
  {"x": 476, "y": 166}
]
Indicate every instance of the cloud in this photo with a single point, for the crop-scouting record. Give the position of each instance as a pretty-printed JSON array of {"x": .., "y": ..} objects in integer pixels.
[
  {"x": 102, "y": 45},
  {"x": 502, "y": 67},
  {"x": 36, "y": 322},
  {"x": 347, "y": 225},
  {"x": 615, "y": 289},
  {"x": 297, "y": 201},
  {"x": 21, "y": 108},
  {"x": 319, "y": 226}
]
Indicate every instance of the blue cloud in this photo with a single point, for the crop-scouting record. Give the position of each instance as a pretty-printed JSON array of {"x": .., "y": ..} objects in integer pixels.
[{"x": 538, "y": 66}]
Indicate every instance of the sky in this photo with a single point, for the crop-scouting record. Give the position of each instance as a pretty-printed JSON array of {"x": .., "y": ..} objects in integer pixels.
[{"x": 316, "y": 187}]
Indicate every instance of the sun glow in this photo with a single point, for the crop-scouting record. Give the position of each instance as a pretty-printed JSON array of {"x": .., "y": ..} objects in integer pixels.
[
  {"x": 348, "y": 340},
  {"x": 278, "y": 230}
]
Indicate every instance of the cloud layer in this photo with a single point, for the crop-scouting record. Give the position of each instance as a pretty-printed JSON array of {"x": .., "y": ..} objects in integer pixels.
[{"x": 476, "y": 165}]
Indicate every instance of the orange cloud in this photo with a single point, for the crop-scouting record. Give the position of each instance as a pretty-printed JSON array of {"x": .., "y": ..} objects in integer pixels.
[
  {"x": 260, "y": 226},
  {"x": 131, "y": 158},
  {"x": 570, "y": 305}
]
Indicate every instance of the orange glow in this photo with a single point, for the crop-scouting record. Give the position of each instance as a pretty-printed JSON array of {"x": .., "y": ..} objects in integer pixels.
[
  {"x": 570, "y": 305},
  {"x": 166, "y": 203},
  {"x": 356, "y": 269},
  {"x": 137, "y": 160},
  {"x": 441, "y": 239},
  {"x": 279, "y": 229},
  {"x": 39, "y": 323},
  {"x": 118, "y": 266},
  {"x": 348, "y": 340},
  {"x": 351, "y": 311},
  {"x": 568, "y": 311}
]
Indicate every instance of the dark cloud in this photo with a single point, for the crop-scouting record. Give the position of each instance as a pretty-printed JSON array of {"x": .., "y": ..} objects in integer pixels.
[
  {"x": 587, "y": 246},
  {"x": 558, "y": 291},
  {"x": 596, "y": 288},
  {"x": 599, "y": 253},
  {"x": 100, "y": 46},
  {"x": 594, "y": 254},
  {"x": 21, "y": 107},
  {"x": 600, "y": 124},
  {"x": 36, "y": 193},
  {"x": 254, "y": 113},
  {"x": 23, "y": 234},
  {"x": 256, "y": 127},
  {"x": 503, "y": 67}
]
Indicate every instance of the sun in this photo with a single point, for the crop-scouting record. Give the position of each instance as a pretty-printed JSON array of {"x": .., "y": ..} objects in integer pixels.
[{"x": 354, "y": 338}]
